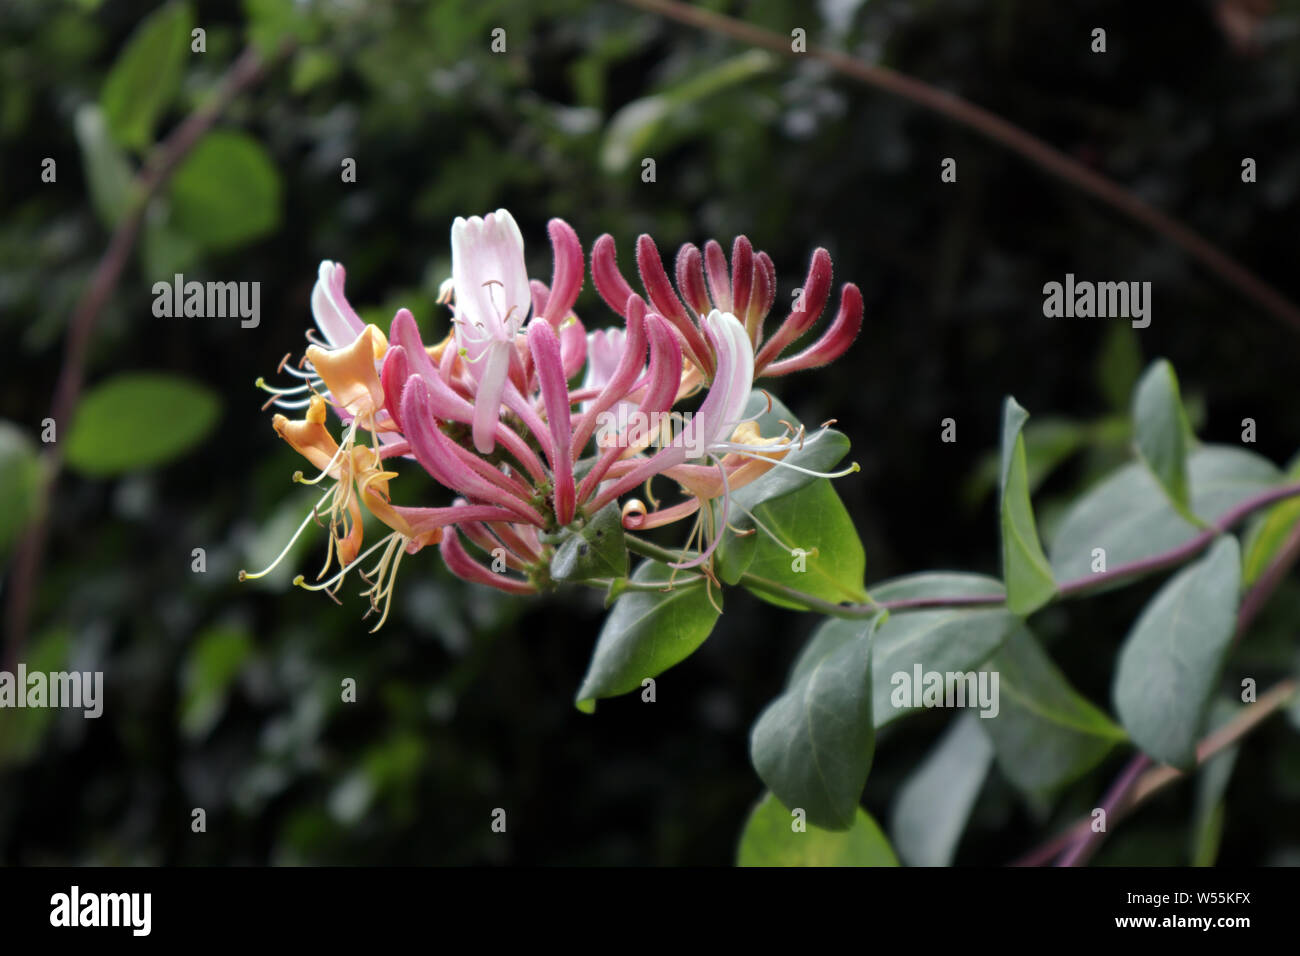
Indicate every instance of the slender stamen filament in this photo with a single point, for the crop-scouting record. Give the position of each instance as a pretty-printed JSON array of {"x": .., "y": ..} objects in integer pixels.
[
  {"x": 337, "y": 578},
  {"x": 311, "y": 515}
]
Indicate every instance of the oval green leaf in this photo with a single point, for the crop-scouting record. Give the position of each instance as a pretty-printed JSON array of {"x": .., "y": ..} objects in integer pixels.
[
  {"x": 1162, "y": 433},
  {"x": 138, "y": 421},
  {"x": 226, "y": 192},
  {"x": 774, "y": 836},
  {"x": 812, "y": 746},
  {"x": 648, "y": 632},
  {"x": 596, "y": 550},
  {"x": 1171, "y": 658},
  {"x": 804, "y": 540},
  {"x": 146, "y": 76}
]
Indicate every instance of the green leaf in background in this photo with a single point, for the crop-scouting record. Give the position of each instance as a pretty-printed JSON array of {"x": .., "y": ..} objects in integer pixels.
[
  {"x": 1211, "y": 784},
  {"x": 1025, "y": 569},
  {"x": 812, "y": 746},
  {"x": 1119, "y": 363},
  {"x": 770, "y": 839},
  {"x": 942, "y": 640},
  {"x": 1268, "y": 531},
  {"x": 815, "y": 522},
  {"x": 648, "y": 632},
  {"x": 934, "y": 803},
  {"x": 138, "y": 420},
  {"x": 215, "y": 659},
  {"x": 1162, "y": 433},
  {"x": 1045, "y": 734},
  {"x": 22, "y": 730},
  {"x": 1171, "y": 658},
  {"x": 272, "y": 23},
  {"x": 1129, "y": 517},
  {"x": 21, "y": 484},
  {"x": 594, "y": 551},
  {"x": 147, "y": 74},
  {"x": 226, "y": 192},
  {"x": 109, "y": 178},
  {"x": 164, "y": 249},
  {"x": 653, "y": 123}
]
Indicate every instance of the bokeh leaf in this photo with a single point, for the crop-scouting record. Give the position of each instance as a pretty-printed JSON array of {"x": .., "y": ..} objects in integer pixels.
[
  {"x": 226, "y": 192},
  {"x": 770, "y": 839},
  {"x": 656, "y": 122},
  {"x": 147, "y": 74},
  {"x": 21, "y": 484},
  {"x": 109, "y": 178},
  {"x": 22, "y": 730},
  {"x": 139, "y": 420},
  {"x": 215, "y": 659}
]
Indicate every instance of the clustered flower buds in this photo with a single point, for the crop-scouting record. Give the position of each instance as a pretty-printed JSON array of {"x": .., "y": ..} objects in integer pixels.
[{"x": 489, "y": 412}]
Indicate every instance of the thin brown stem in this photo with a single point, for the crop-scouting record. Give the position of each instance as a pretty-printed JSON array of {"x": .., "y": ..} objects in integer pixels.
[
  {"x": 1080, "y": 842},
  {"x": 162, "y": 162},
  {"x": 994, "y": 127}
]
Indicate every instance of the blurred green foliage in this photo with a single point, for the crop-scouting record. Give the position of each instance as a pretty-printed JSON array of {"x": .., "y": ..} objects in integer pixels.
[{"x": 227, "y": 697}]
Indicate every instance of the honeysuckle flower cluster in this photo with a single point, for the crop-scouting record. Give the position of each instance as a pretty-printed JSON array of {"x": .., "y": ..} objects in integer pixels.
[{"x": 490, "y": 413}]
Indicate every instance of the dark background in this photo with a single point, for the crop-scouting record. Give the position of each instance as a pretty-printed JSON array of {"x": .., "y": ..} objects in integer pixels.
[{"x": 465, "y": 697}]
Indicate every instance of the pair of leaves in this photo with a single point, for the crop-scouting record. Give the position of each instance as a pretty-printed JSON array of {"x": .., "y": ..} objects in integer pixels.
[
  {"x": 146, "y": 77},
  {"x": 226, "y": 192}
]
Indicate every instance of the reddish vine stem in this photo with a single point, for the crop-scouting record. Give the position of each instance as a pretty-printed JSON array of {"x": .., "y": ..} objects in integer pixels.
[
  {"x": 1154, "y": 780},
  {"x": 162, "y": 162},
  {"x": 1080, "y": 842},
  {"x": 1156, "y": 562},
  {"x": 994, "y": 127}
]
